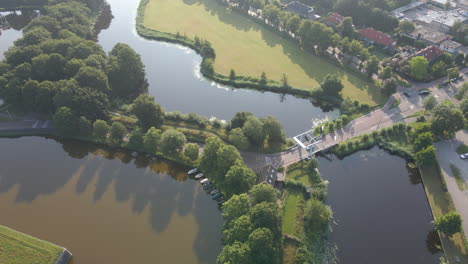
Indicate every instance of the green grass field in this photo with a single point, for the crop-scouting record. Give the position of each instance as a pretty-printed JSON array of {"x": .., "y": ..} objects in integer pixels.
[
  {"x": 17, "y": 248},
  {"x": 441, "y": 203},
  {"x": 290, "y": 212},
  {"x": 462, "y": 185},
  {"x": 299, "y": 173},
  {"x": 250, "y": 48}
]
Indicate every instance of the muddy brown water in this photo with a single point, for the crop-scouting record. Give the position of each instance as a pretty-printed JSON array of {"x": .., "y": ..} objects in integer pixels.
[{"x": 104, "y": 206}]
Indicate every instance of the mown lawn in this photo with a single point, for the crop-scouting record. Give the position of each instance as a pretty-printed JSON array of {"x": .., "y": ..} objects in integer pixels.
[
  {"x": 17, "y": 248},
  {"x": 299, "y": 173},
  {"x": 462, "y": 185},
  {"x": 441, "y": 203},
  {"x": 250, "y": 48},
  {"x": 290, "y": 210}
]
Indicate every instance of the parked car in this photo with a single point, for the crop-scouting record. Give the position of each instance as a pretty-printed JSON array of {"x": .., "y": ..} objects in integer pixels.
[
  {"x": 192, "y": 171},
  {"x": 464, "y": 156},
  {"x": 204, "y": 181},
  {"x": 199, "y": 176},
  {"x": 424, "y": 92}
]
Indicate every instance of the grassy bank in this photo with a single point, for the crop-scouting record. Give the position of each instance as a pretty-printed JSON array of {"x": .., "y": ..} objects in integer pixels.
[
  {"x": 18, "y": 248},
  {"x": 247, "y": 47},
  {"x": 441, "y": 203}
]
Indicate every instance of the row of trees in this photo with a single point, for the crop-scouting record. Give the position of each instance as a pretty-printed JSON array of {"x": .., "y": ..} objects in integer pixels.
[
  {"x": 252, "y": 228},
  {"x": 54, "y": 65},
  {"x": 420, "y": 68}
]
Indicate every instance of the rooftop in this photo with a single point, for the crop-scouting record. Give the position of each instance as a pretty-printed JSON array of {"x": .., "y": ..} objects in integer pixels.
[
  {"x": 450, "y": 44},
  {"x": 430, "y": 14},
  {"x": 430, "y": 53},
  {"x": 376, "y": 36},
  {"x": 429, "y": 34},
  {"x": 335, "y": 18},
  {"x": 300, "y": 9}
]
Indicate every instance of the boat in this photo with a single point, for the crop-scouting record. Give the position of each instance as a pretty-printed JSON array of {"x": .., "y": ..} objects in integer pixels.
[
  {"x": 215, "y": 191},
  {"x": 204, "y": 181},
  {"x": 216, "y": 196},
  {"x": 199, "y": 176},
  {"x": 193, "y": 171}
]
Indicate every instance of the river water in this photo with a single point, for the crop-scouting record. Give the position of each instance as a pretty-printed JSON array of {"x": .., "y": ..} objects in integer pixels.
[
  {"x": 106, "y": 207},
  {"x": 381, "y": 212}
]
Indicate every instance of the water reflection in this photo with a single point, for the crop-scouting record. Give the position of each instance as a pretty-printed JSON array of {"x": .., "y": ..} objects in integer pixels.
[
  {"x": 90, "y": 178},
  {"x": 380, "y": 216}
]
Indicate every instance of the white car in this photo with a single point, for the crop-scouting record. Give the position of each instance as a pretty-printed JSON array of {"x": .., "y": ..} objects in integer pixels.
[{"x": 464, "y": 156}]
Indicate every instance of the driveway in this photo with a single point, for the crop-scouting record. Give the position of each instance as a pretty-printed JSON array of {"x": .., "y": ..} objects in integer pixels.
[{"x": 446, "y": 153}]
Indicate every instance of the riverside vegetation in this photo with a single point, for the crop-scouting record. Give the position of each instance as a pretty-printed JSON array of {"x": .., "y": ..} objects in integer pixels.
[{"x": 284, "y": 80}]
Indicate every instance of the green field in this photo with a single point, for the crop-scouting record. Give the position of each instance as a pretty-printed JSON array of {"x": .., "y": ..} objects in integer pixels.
[
  {"x": 290, "y": 212},
  {"x": 299, "y": 173},
  {"x": 18, "y": 248},
  {"x": 462, "y": 185},
  {"x": 250, "y": 48}
]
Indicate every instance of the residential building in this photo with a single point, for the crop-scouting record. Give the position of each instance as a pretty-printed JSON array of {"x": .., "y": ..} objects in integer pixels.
[
  {"x": 302, "y": 10},
  {"x": 334, "y": 19},
  {"x": 429, "y": 35},
  {"x": 430, "y": 53},
  {"x": 376, "y": 37},
  {"x": 451, "y": 46}
]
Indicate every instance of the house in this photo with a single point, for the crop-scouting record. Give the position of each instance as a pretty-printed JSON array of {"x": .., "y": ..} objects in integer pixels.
[
  {"x": 429, "y": 35},
  {"x": 430, "y": 53},
  {"x": 270, "y": 175},
  {"x": 302, "y": 10},
  {"x": 334, "y": 19},
  {"x": 450, "y": 46},
  {"x": 377, "y": 37}
]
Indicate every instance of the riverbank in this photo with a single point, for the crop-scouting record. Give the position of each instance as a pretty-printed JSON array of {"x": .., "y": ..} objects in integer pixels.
[
  {"x": 19, "y": 248},
  {"x": 305, "y": 65}
]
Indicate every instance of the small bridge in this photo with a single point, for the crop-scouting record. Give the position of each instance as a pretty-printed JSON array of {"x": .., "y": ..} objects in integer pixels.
[{"x": 308, "y": 141}]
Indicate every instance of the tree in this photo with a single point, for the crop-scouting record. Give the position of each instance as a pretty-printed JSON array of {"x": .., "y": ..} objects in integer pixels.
[
  {"x": 372, "y": 66},
  {"x": 253, "y": 129},
  {"x": 389, "y": 86},
  {"x": 262, "y": 250},
  {"x": 149, "y": 113},
  {"x": 238, "y": 139},
  {"x": 92, "y": 77},
  {"x": 453, "y": 73},
  {"x": 449, "y": 223},
  {"x": 292, "y": 25},
  {"x": 235, "y": 253},
  {"x": 64, "y": 121},
  {"x": 191, "y": 151},
  {"x": 235, "y": 207},
  {"x": 284, "y": 81},
  {"x": 419, "y": 66},
  {"x": 208, "y": 162},
  {"x": 266, "y": 215},
  {"x": 430, "y": 102},
  {"x": 438, "y": 69},
  {"x": 239, "y": 231},
  {"x": 426, "y": 156},
  {"x": 232, "y": 75},
  {"x": 239, "y": 179},
  {"x": 406, "y": 26},
  {"x": 239, "y": 119},
  {"x": 346, "y": 27},
  {"x": 172, "y": 142},
  {"x": 126, "y": 71},
  {"x": 100, "y": 130},
  {"x": 263, "y": 79},
  {"x": 386, "y": 73},
  {"x": 447, "y": 119},
  {"x": 85, "y": 128},
  {"x": 135, "y": 139},
  {"x": 423, "y": 141},
  {"x": 464, "y": 106},
  {"x": 226, "y": 157},
  {"x": 264, "y": 193},
  {"x": 117, "y": 133},
  {"x": 207, "y": 67},
  {"x": 151, "y": 140},
  {"x": 273, "y": 130},
  {"x": 332, "y": 85},
  {"x": 316, "y": 217}
]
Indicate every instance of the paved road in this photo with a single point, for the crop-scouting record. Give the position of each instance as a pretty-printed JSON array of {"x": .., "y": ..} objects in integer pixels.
[{"x": 446, "y": 155}]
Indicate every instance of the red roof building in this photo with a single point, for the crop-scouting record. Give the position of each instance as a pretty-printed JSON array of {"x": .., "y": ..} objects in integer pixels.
[
  {"x": 377, "y": 37},
  {"x": 334, "y": 19},
  {"x": 430, "y": 53}
]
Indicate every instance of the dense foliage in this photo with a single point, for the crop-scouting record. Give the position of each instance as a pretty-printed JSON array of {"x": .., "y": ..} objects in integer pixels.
[{"x": 55, "y": 65}]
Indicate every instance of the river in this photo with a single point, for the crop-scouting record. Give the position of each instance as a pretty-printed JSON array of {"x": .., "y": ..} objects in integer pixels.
[
  {"x": 106, "y": 207},
  {"x": 381, "y": 212}
]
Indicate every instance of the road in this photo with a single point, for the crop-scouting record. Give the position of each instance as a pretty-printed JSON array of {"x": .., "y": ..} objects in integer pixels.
[{"x": 446, "y": 155}]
